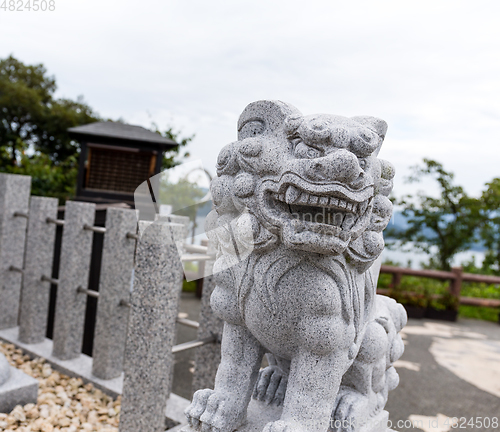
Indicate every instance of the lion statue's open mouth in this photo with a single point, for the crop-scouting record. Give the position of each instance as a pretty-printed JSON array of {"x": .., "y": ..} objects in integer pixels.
[{"x": 316, "y": 217}]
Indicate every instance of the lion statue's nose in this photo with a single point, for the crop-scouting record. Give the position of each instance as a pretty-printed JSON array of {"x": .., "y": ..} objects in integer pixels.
[{"x": 340, "y": 166}]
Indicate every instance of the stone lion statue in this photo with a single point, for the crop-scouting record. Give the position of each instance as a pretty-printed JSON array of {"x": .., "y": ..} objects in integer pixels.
[{"x": 300, "y": 206}]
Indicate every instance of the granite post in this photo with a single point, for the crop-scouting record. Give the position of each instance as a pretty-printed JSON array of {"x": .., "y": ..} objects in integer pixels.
[
  {"x": 180, "y": 236},
  {"x": 74, "y": 267},
  {"x": 207, "y": 357},
  {"x": 34, "y": 307},
  {"x": 151, "y": 328},
  {"x": 114, "y": 286},
  {"x": 14, "y": 203},
  {"x": 16, "y": 387}
]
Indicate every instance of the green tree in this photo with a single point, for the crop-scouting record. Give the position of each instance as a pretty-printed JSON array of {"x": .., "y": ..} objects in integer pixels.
[
  {"x": 174, "y": 156},
  {"x": 32, "y": 120},
  {"x": 183, "y": 195},
  {"x": 448, "y": 222},
  {"x": 490, "y": 228},
  {"x": 48, "y": 178},
  {"x": 33, "y": 130}
]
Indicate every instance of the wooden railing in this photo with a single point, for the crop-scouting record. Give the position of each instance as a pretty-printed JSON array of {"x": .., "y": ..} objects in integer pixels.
[{"x": 455, "y": 276}]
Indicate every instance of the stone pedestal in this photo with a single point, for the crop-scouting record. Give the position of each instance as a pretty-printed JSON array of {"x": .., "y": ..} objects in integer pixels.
[
  {"x": 19, "y": 389},
  {"x": 259, "y": 414}
]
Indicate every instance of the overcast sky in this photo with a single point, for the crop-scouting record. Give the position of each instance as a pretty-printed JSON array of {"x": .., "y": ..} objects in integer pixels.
[{"x": 431, "y": 69}]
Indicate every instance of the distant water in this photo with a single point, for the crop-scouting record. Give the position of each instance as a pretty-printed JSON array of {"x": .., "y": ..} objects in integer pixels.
[{"x": 417, "y": 258}]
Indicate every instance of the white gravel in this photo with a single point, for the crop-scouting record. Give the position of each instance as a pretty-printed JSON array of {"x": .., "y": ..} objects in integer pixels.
[{"x": 64, "y": 404}]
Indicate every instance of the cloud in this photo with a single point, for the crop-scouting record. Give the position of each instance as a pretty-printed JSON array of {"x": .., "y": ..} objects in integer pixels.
[{"x": 430, "y": 69}]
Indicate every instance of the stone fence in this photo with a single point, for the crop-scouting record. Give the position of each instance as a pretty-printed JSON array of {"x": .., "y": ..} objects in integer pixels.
[{"x": 137, "y": 313}]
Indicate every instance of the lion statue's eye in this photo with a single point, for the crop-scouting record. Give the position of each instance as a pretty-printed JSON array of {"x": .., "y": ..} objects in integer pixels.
[
  {"x": 362, "y": 163},
  {"x": 251, "y": 129},
  {"x": 304, "y": 151}
]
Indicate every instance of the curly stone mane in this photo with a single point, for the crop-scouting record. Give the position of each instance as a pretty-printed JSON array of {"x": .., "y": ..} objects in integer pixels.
[{"x": 280, "y": 163}]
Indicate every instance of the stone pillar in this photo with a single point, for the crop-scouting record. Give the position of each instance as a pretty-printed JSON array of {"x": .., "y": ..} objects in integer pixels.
[
  {"x": 14, "y": 198},
  {"x": 114, "y": 286},
  {"x": 180, "y": 237},
  {"x": 76, "y": 249},
  {"x": 151, "y": 329},
  {"x": 207, "y": 357},
  {"x": 39, "y": 255}
]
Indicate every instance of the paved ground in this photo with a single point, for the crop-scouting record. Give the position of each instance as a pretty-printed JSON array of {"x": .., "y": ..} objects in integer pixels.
[{"x": 447, "y": 370}]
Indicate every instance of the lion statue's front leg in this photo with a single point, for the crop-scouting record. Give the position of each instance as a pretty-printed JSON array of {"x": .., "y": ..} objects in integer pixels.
[
  {"x": 224, "y": 408},
  {"x": 365, "y": 386}
]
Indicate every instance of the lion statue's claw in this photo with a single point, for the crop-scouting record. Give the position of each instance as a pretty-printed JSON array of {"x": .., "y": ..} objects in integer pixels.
[
  {"x": 213, "y": 412},
  {"x": 271, "y": 386}
]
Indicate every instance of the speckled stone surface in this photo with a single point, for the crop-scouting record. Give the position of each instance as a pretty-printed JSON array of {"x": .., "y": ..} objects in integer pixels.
[
  {"x": 14, "y": 197},
  {"x": 4, "y": 369},
  {"x": 73, "y": 272},
  {"x": 114, "y": 285},
  {"x": 151, "y": 330},
  {"x": 260, "y": 414},
  {"x": 207, "y": 357},
  {"x": 20, "y": 389},
  {"x": 39, "y": 254},
  {"x": 300, "y": 206}
]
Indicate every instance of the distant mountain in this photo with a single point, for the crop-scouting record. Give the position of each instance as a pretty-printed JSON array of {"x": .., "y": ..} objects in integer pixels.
[{"x": 399, "y": 223}]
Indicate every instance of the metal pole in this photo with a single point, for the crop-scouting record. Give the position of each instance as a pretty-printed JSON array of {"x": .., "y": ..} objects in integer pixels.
[
  {"x": 49, "y": 279},
  {"x": 21, "y": 214},
  {"x": 194, "y": 344},
  {"x": 16, "y": 269},
  {"x": 100, "y": 230},
  {"x": 90, "y": 293},
  {"x": 59, "y": 222},
  {"x": 188, "y": 323},
  {"x": 195, "y": 248}
]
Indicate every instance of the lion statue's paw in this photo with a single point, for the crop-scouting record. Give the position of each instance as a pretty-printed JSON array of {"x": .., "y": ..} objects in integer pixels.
[
  {"x": 352, "y": 410},
  {"x": 271, "y": 386},
  {"x": 213, "y": 412}
]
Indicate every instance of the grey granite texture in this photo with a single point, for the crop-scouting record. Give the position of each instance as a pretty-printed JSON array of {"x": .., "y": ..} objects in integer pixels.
[
  {"x": 39, "y": 254},
  {"x": 20, "y": 389},
  {"x": 73, "y": 273},
  {"x": 207, "y": 357},
  {"x": 14, "y": 197},
  {"x": 180, "y": 237},
  {"x": 114, "y": 286},
  {"x": 300, "y": 205},
  {"x": 151, "y": 329},
  {"x": 4, "y": 369},
  {"x": 259, "y": 414}
]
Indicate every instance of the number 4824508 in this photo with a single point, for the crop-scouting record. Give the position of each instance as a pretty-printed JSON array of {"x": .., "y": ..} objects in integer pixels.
[{"x": 28, "y": 5}]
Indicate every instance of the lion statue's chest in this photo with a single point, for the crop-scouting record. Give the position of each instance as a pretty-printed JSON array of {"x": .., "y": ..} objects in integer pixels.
[
  {"x": 290, "y": 300},
  {"x": 286, "y": 310}
]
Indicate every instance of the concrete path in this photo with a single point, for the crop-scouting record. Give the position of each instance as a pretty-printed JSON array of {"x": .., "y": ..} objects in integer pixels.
[{"x": 448, "y": 370}]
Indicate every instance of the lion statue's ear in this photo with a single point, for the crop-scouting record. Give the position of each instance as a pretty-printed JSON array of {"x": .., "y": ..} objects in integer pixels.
[
  {"x": 264, "y": 117},
  {"x": 375, "y": 124}
]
